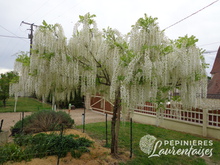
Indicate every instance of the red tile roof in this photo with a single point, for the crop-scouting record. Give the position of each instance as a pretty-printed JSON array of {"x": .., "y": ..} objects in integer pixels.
[
  {"x": 216, "y": 66},
  {"x": 214, "y": 83}
]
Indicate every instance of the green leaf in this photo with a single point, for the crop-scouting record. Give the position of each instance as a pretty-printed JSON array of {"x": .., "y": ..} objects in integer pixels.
[
  {"x": 23, "y": 58},
  {"x": 187, "y": 41},
  {"x": 44, "y": 23},
  {"x": 121, "y": 78}
]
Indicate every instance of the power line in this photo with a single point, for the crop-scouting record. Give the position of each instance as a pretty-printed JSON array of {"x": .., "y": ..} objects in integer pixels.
[
  {"x": 191, "y": 15},
  {"x": 210, "y": 51},
  {"x": 12, "y": 33},
  {"x": 210, "y": 44},
  {"x": 51, "y": 10},
  {"x": 37, "y": 10},
  {"x": 8, "y": 30},
  {"x": 13, "y": 37},
  {"x": 69, "y": 9}
]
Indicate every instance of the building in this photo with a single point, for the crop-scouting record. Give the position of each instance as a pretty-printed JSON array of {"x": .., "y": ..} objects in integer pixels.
[{"x": 214, "y": 84}]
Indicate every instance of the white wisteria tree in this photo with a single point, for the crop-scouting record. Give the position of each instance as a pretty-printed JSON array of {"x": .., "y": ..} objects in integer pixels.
[{"x": 128, "y": 70}]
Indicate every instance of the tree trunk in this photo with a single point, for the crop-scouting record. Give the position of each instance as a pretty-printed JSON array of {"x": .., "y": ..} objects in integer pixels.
[
  {"x": 115, "y": 124},
  {"x": 4, "y": 102}
]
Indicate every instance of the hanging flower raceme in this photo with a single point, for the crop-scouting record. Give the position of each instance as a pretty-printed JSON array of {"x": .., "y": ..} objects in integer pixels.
[{"x": 144, "y": 65}]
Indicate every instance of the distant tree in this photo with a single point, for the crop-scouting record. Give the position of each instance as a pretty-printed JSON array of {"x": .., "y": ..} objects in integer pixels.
[{"x": 5, "y": 80}]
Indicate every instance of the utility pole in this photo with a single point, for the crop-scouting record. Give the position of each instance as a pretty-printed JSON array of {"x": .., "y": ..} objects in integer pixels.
[{"x": 30, "y": 36}]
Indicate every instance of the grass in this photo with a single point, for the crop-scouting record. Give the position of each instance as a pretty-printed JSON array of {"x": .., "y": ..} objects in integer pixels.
[
  {"x": 97, "y": 131},
  {"x": 24, "y": 104}
]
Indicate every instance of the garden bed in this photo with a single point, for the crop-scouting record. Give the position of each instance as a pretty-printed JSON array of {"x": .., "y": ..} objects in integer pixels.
[{"x": 97, "y": 155}]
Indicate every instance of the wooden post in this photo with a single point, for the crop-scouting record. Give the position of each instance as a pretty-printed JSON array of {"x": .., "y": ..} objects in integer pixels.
[
  {"x": 104, "y": 105},
  {"x": 88, "y": 101},
  {"x": 205, "y": 122}
]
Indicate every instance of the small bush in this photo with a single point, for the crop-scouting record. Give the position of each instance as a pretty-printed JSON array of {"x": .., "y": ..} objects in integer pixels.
[
  {"x": 26, "y": 147},
  {"x": 45, "y": 120},
  {"x": 52, "y": 144},
  {"x": 11, "y": 152},
  {"x": 84, "y": 142},
  {"x": 76, "y": 153}
]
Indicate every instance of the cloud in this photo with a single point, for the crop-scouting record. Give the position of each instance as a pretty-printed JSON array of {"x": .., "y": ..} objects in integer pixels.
[{"x": 3, "y": 70}]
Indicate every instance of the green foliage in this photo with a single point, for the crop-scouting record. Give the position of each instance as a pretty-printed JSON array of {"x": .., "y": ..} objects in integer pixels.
[
  {"x": 89, "y": 18},
  {"x": 121, "y": 77},
  {"x": 48, "y": 55},
  {"x": 84, "y": 142},
  {"x": 5, "y": 80},
  {"x": 11, "y": 152},
  {"x": 23, "y": 58},
  {"x": 34, "y": 73},
  {"x": 46, "y": 26},
  {"x": 198, "y": 76},
  {"x": 44, "y": 120},
  {"x": 161, "y": 49},
  {"x": 167, "y": 49},
  {"x": 127, "y": 55},
  {"x": 111, "y": 37},
  {"x": 77, "y": 153},
  {"x": 176, "y": 98},
  {"x": 144, "y": 23},
  {"x": 68, "y": 58},
  {"x": 202, "y": 58},
  {"x": 186, "y": 41},
  {"x": 26, "y": 147},
  {"x": 24, "y": 104}
]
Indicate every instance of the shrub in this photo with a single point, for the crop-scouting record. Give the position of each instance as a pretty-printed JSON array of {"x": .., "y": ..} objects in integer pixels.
[
  {"x": 84, "y": 142},
  {"x": 76, "y": 153},
  {"x": 11, "y": 152},
  {"x": 45, "y": 120},
  {"x": 26, "y": 147}
]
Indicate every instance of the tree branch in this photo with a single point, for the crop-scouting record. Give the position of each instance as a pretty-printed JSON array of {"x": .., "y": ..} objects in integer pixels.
[{"x": 104, "y": 70}]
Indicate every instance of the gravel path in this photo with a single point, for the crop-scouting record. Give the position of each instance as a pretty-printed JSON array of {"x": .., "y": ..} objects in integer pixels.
[{"x": 91, "y": 117}]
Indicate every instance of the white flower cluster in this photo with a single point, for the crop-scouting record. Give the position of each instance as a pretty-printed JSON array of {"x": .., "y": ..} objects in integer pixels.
[{"x": 143, "y": 65}]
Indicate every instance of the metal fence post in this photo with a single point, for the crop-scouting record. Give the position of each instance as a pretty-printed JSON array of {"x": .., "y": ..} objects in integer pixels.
[
  {"x": 83, "y": 122},
  {"x": 131, "y": 138},
  {"x": 22, "y": 122},
  {"x": 106, "y": 127},
  {"x": 61, "y": 145},
  {"x": 1, "y": 124}
]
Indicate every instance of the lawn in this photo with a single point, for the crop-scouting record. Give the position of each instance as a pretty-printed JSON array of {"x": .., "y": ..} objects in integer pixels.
[
  {"x": 24, "y": 104},
  {"x": 97, "y": 131}
]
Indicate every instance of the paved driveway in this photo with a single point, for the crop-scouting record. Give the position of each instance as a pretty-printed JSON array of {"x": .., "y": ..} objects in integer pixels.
[{"x": 91, "y": 117}]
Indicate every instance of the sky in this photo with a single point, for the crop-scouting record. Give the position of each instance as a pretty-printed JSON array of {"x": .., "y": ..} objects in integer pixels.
[{"x": 203, "y": 21}]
